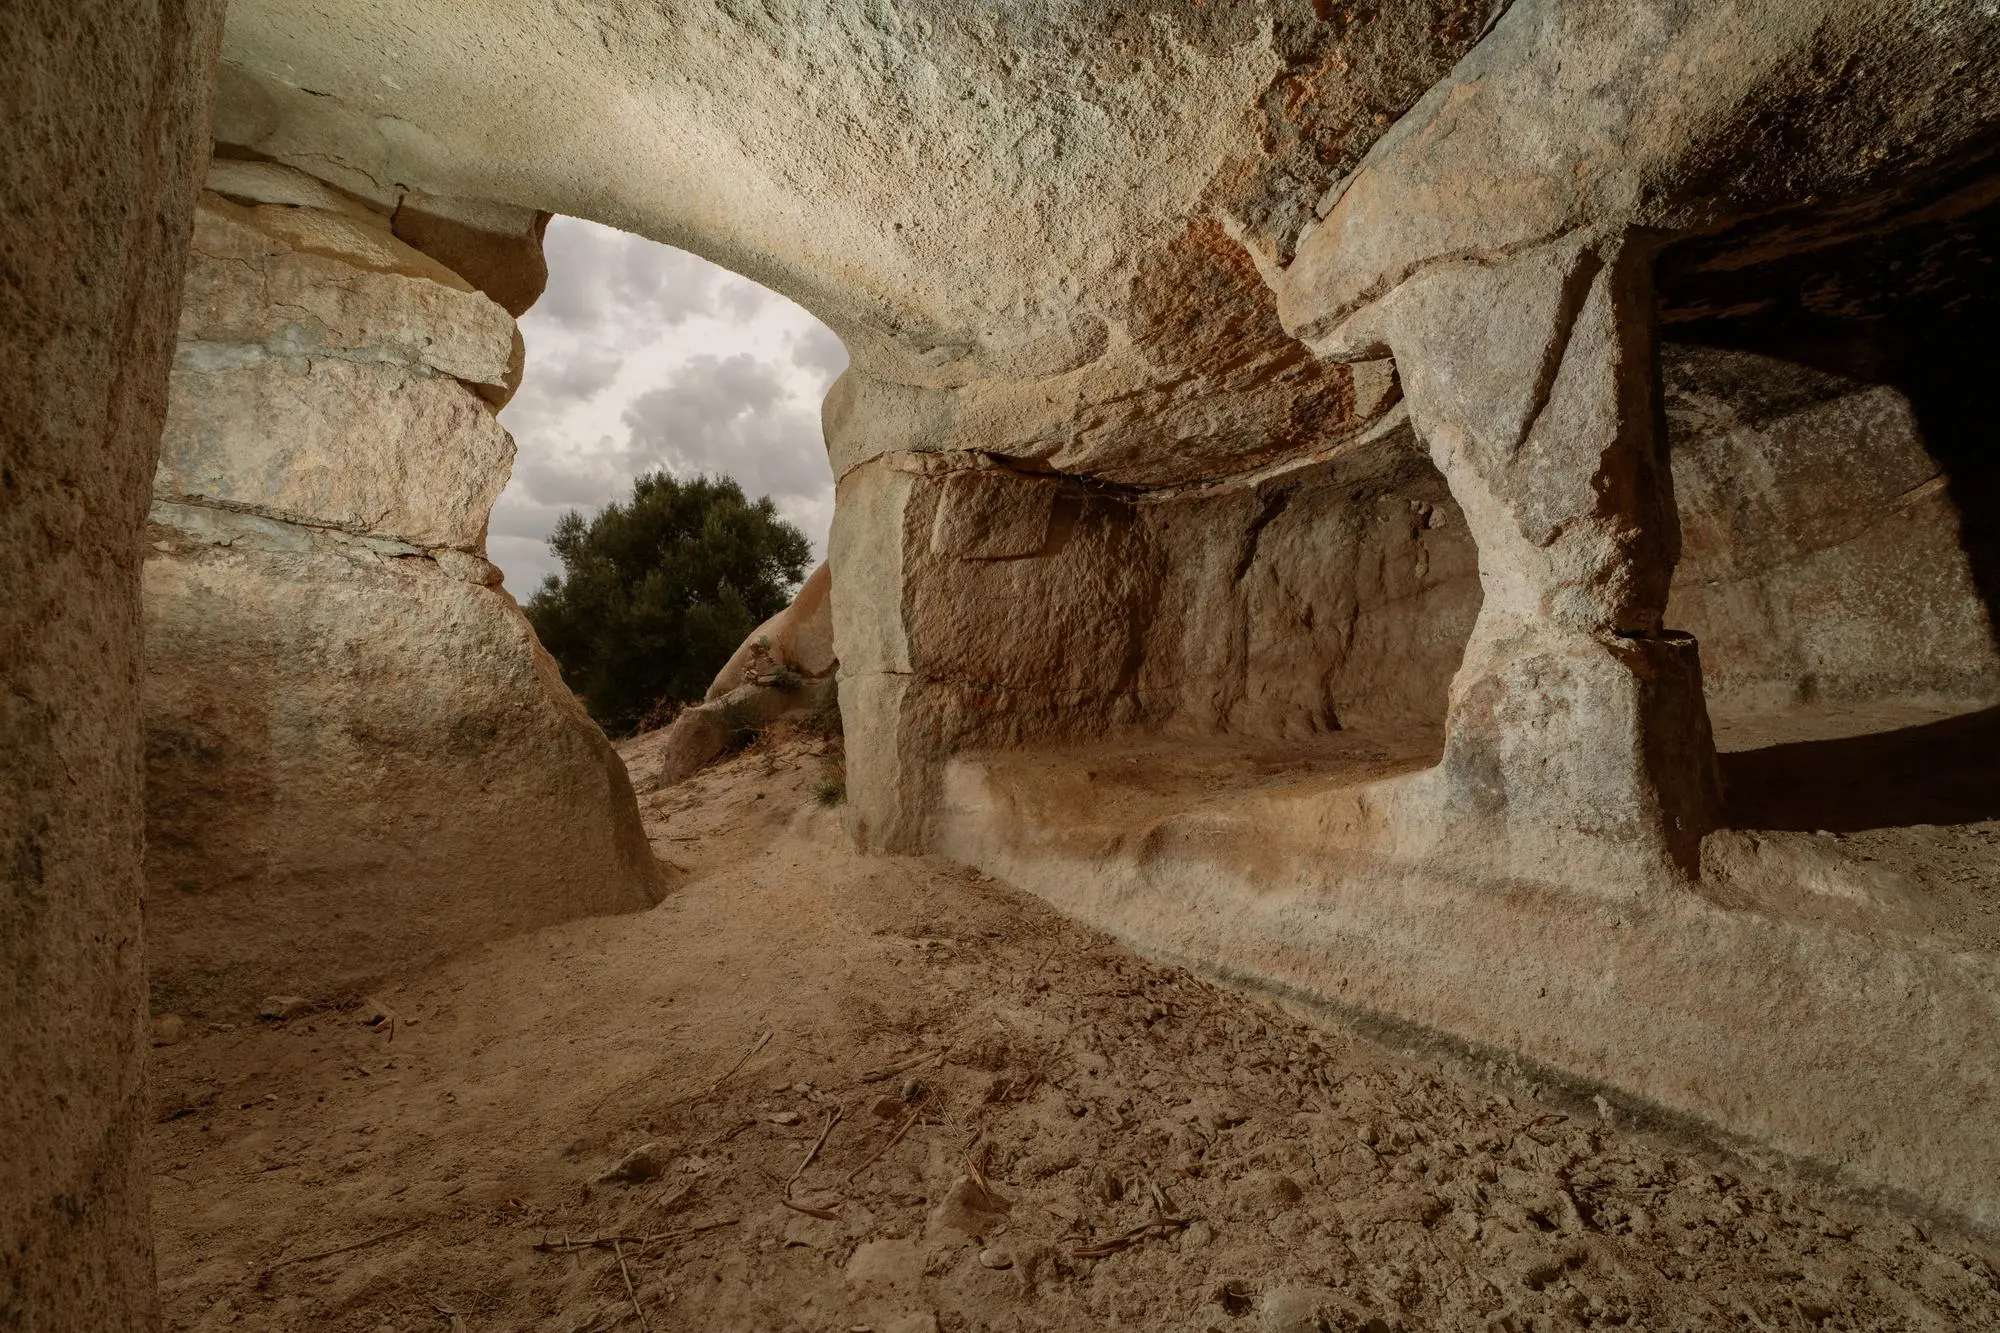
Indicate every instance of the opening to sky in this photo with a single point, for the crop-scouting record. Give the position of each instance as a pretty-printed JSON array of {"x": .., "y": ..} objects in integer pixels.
[{"x": 640, "y": 357}]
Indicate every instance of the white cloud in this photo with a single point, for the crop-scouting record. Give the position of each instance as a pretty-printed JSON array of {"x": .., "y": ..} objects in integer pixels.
[{"x": 641, "y": 357}]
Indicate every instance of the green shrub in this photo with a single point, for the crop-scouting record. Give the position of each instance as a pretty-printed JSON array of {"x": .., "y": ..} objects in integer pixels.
[
  {"x": 823, "y": 720},
  {"x": 658, "y": 591},
  {"x": 741, "y": 727}
]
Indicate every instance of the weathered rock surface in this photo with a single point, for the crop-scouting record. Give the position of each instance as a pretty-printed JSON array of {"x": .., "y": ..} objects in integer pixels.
[
  {"x": 496, "y": 248},
  {"x": 1713, "y": 1014},
  {"x": 358, "y": 757},
  {"x": 1572, "y": 120},
  {"x": 332, "y": 284},
  {"x": 1130, "y": 176},
  {"x": 331, "y": 362},
  {"x": 1041, "y": 610},
  {"x": 1343, "y": 593},
  {"x": 100, "y": 155},
  {"x": 1823, "y": 554},
  {"x": 785, "y": 668},
  {"x": 799, "y": 639},
  {"x": 1577, "y": 743},
  {"x": 1124, "y": 325}
]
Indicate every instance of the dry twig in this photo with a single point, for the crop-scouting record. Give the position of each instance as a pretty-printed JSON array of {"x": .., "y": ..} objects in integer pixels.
[
  {"x": 825, "y": 1214},
  {"x": 731, "y": 1072},
  {"x": 343, "y": 1249},
  {"x": 626, "y": 1273},
  {"x": 1159, "y": 1226},
  {"x": 681, "y": 1233},
  {"x": 894, "y": 1139},
  {"x": 725, "y": 1135},
  {"x": 832, "y": 1119},
  {"x": 632, "y": 1083},
  {"x": 569, "y": 1246},
  {"x": 915, "y": 1061}
]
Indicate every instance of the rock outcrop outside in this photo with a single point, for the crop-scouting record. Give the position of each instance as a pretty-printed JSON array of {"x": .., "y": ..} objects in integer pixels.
[{"x": 784, "y": 669}]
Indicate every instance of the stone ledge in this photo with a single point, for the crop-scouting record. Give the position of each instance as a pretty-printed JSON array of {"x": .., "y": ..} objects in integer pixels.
[{"x": 1864, "y": 1057}]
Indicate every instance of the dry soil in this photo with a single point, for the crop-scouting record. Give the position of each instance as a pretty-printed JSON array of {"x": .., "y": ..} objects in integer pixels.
[{"x": 888, "y": 1094}]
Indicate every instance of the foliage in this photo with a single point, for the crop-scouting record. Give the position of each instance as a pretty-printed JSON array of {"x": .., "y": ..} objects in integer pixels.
[
  {"x": 823, "y": 719},
  {"x": 657, "y": 592},
  {"x": 740, "y": 726}
]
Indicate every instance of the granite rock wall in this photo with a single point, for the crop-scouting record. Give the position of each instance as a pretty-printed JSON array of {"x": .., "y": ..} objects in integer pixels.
[{"x": 358, "y": 758}]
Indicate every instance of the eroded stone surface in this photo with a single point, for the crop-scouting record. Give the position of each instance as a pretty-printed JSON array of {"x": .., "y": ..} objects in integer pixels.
[
  {"x": 358, "y": 757},
  {"x": 357, "y": 763},
  {"x": 1124, "y": 320},
  {"x": 784, "y": 668},
  {"x": 1720, "y": 1013},
  {"x": 1577, "y": 741},
  {"x": 1320, "y": 597},
  {"x": 370, "y": 448},
  {"x": 327, "y": 282},
  {"x": 102, "y": 151},
  {"x": 799, "y": 638},
  {"x": 1823, "y": 559},
  {"x": 1588, "y": 119}
]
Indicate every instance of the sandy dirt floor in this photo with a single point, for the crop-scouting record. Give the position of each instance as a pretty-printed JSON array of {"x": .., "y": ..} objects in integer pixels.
[{"x": 813, "y": 1091}]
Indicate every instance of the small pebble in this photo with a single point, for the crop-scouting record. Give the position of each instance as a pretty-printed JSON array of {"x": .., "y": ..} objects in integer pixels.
[
  {"x": 995, "y": 1257},
  {"x": 168, "y": 1029},
  {"x": 281, "y": 1007},
  {"x": 784, "y": 1118},
  {"x": 644, "y": 1162}
]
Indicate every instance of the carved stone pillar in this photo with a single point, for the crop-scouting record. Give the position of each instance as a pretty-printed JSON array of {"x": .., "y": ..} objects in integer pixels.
[{"x": 1578, "y": 747}]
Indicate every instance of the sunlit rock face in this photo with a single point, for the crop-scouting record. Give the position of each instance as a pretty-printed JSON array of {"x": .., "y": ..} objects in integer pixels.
[{"x": 358, "y": 757}]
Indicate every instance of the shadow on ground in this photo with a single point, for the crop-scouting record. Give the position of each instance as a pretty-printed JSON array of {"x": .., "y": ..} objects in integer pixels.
[{"x": 1945, "y": 772}]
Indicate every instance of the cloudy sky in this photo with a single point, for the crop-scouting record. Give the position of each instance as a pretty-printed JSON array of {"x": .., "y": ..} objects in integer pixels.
[{"x": 642, "y": 357}]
